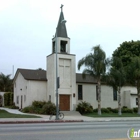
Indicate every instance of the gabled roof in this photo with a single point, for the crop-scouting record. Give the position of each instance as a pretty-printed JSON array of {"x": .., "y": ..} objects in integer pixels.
[
  {"x": 61, "y": 27},
  {"x": 28, "y": 74}
]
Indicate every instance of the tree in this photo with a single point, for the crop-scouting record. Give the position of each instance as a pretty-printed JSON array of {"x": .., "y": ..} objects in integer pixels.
[
  {"x": 116, "y": 78},
  {"x": 126, "y": 51},
  {"x": 5, "y": 83},
  {"x": 95, "y": 65},
  {"x": 134, "y": 76},
  {"x": 129, "y": 53}
]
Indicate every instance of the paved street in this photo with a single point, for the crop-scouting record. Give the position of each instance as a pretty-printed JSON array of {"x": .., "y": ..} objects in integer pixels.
[{"x": 68, "y": 131}]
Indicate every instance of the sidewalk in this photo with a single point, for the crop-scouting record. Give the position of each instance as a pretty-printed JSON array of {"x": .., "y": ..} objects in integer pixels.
[{"x": 45, "y": 118}]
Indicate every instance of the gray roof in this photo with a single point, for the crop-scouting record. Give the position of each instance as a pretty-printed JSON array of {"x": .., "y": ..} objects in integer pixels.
[
  {"x": 40, "y": 75},
  {"x": 88, "y": 79},
  {"x": 61, "y": 27},
  {"x": 29, "y": 74}
]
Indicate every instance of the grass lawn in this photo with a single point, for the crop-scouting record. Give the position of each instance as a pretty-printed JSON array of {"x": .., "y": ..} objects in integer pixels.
[
  {"x": 5, "y": 114},
  {"x": 112, "y": 115}
]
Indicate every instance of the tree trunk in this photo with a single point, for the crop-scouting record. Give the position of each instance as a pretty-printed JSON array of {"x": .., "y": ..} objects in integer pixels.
[
  {"x": 119, "y": 101},
  {"x": 99, "y": 98}
]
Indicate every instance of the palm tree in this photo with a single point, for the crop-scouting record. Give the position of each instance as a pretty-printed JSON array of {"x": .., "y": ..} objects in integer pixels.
[
  {"x": 5, "y": 83},
  {"x": 95, "y": 65},
  {"x": 134, "y": 77},
  {"x": 116, "y": 78}
]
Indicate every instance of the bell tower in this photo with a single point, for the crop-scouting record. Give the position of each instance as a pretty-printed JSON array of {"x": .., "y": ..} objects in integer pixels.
[
  {"x": 60, "y": 63},
  {"x": 61, "y": 37}
]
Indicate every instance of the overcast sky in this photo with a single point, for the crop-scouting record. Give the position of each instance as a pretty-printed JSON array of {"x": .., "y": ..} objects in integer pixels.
[{"x": 27, "y": 28}]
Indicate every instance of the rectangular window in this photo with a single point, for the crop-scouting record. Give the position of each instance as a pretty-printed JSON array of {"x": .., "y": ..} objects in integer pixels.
[
  {"x": 97, "y": 92},
  {"x": 80, "y": 92},
  {"x": 136, "y": 101},
  {"x": 114, "y": 94},
  {"x": 53, "y": 44},
  {"x": 17, "y": 99},
  {"x": 63, "y": 46}
]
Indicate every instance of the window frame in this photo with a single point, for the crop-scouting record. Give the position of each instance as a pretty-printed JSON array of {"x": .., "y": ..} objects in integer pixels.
[
  {"x": 80, "y": 92},
  {"x": 115, "y": 96}
]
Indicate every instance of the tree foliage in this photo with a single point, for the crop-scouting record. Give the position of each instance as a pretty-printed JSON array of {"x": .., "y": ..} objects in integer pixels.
[
  {"x": 127, "y": 50},
  {"x": 116, "y": 78},
  {"x": 134, "y": 76},
  {"x": 95, "y": 65},
  {"x": 129, "y": 53},
  {"x": 5, "y": 83}
]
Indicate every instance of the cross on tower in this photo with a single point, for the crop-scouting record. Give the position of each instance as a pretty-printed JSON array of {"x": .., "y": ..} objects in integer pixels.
[{"x": 61, "y": 7}]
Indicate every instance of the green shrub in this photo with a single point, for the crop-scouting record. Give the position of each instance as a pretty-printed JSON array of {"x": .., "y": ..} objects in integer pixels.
[
  {"x": 11, "y": 99},
  {"x": 32, "y": 109},
  {"x": 13, "y": 106},
  {"x": 105, "y": 110},
  {"x": 8, "y": 98},
  {"x": 127, "y": 110},
  {"x": 49, "y": 108},
  {"x": 135, "y": 109},
  {"x": 84, "y": 107},
  {"x": 40, "y": 107},
  {"x": 39, "y": 104},
  {"x": 95, "y": 110},
  {"x": 110, "y": 109},
  {"x": 28, "y": 109},
  {"x": 114, "y": 110}
]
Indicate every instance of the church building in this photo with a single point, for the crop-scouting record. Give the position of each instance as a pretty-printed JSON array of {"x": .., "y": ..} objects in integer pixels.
[{"x": 40, "y": 85}]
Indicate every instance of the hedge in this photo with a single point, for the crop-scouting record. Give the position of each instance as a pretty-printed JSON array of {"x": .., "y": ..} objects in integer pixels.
[{"x": 8, "y": 99}]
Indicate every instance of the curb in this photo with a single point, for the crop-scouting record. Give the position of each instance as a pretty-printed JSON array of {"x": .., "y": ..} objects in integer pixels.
[{"x": 51, "y": 121}]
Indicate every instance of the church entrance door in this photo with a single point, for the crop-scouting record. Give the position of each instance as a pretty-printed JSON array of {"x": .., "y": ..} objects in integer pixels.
[{"x": 64, "y": 102}]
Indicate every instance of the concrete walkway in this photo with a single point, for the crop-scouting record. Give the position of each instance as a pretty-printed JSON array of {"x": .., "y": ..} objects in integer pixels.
[{"x": 67, "y": 118}]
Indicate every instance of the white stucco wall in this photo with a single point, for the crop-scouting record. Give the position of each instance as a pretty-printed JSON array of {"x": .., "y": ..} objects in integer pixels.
[
  {"x": 68, "y": 80},
  {"x": 126, "y": 98},
  {"x": 29, "y": 91},
  {"x": 89, "y": 95},
  {"x": 66, "y": 72},
  {"x": 20, "y": 89},
  {"x": 51, "y": 72},
  {"x": 37, "y": 91},
  {"x": 133, "y": 101}
]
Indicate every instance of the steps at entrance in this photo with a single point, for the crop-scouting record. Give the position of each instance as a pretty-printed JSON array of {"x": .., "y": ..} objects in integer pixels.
[{"x": 71, "y": 113}]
